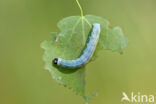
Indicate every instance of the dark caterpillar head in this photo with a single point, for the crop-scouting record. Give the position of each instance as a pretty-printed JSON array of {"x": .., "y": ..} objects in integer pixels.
[{"x": 55, "y": 61}]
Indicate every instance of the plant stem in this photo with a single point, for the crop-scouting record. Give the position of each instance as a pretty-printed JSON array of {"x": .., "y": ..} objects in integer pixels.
[{"x": 81, "y": 10}]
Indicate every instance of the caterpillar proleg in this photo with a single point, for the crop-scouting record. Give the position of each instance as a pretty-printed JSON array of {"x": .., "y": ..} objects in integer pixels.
[{"x": 87, "y": 53}]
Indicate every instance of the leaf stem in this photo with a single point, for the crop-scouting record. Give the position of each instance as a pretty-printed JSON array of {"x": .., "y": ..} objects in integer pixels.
[{"x": 81, "y": 10}]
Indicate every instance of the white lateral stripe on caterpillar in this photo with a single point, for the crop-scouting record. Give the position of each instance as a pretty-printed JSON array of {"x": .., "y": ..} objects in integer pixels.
[{"x": 87, "y": 53}]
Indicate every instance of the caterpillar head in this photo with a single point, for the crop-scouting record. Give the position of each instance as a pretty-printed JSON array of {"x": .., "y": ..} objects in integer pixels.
[{"x": 55, "y": 61}]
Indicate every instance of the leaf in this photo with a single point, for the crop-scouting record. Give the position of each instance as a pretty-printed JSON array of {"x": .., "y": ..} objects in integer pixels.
[{"x": 70, "y": 43}]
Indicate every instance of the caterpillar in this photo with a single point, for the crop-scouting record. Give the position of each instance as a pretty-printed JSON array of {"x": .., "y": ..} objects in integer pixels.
[{"x": 87, "y": 53}]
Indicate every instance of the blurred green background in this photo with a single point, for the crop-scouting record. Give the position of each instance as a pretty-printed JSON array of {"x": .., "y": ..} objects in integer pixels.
[{"x": 24, "y": 24}]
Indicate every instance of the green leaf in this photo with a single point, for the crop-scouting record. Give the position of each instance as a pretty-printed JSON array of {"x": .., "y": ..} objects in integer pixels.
[{"x": 70, "y": 43}]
